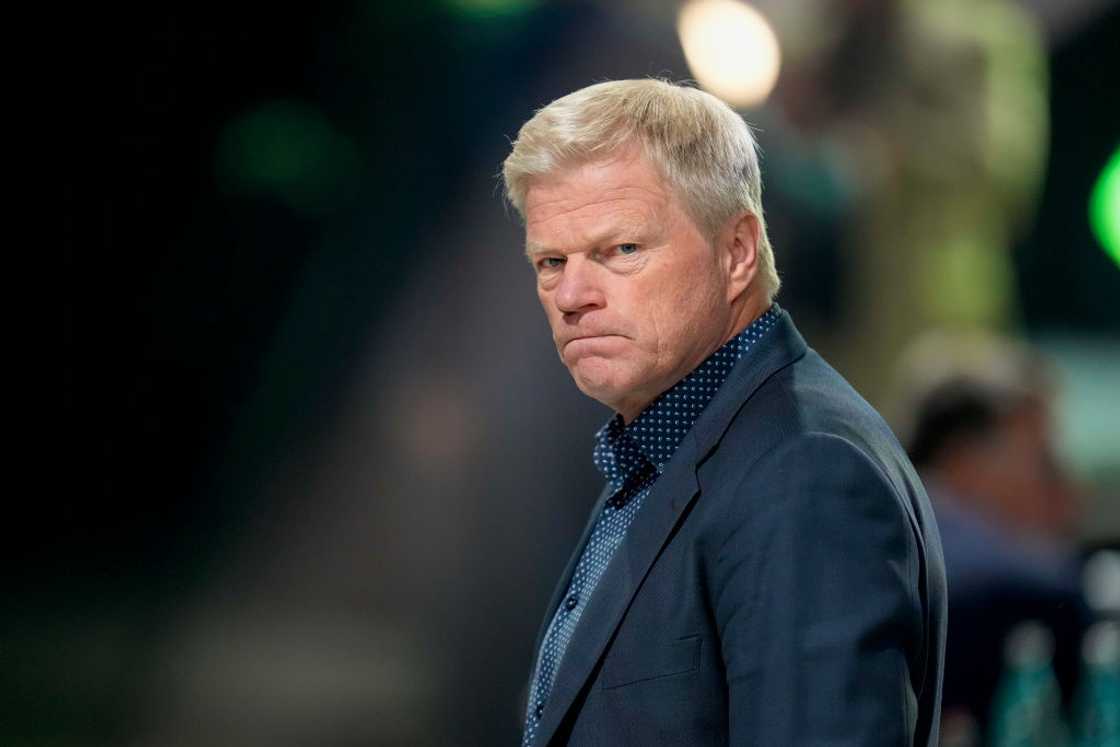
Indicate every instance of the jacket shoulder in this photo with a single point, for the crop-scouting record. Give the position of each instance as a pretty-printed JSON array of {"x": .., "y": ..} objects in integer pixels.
[
  {"x": 807, "y": 419},
  {"x": 808, "y": 399}
]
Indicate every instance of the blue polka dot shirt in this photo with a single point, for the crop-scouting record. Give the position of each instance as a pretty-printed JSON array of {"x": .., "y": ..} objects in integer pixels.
[{"x": 631, "y": 457}]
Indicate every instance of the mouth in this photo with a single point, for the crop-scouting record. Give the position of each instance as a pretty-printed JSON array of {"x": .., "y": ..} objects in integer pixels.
[{"x": 569, "y": 341}]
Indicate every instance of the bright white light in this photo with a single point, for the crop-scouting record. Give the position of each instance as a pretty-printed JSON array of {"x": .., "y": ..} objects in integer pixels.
[{"x": 731, "y": 49}]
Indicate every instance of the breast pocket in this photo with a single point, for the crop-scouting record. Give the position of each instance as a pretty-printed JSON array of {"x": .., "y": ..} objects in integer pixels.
[{"x": 658, "y": 660}]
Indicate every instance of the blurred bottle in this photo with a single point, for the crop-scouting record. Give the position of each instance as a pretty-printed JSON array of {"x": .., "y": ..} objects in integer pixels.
[
  {"x": 1096, "y": 705},
  {"x": 1027, "y": 708},
  {"x": 1101, "y": 581}
]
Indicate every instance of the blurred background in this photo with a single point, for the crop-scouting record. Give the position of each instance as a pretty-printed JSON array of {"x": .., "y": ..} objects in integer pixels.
[{"x": 320, "y": 465}]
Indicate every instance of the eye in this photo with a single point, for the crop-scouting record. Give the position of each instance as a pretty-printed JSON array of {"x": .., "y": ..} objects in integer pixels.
[
  {"x": 627, "y": 248},
  {"x": 550, "y": 263}
]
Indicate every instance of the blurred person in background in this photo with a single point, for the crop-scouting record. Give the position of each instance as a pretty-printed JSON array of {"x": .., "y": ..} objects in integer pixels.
[
  {"x": 935, "y": 116},
  {"x": 763, "y": 566},
  {"x": 976, "y": 415}
]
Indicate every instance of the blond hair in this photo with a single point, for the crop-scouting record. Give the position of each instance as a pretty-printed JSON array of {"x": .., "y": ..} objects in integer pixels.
[{"x": 701, "y": 147}]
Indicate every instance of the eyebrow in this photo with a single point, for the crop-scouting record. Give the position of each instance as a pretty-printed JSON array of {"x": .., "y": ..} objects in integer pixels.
[
  {"x": 532, "y": 250},
  {"x": 633, "y": 230}
]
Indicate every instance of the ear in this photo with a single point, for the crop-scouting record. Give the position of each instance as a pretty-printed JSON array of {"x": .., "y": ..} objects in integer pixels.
[{"x": 740, "y": 253}]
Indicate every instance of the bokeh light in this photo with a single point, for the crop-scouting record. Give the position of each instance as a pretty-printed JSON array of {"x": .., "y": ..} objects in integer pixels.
[
  {"x": 1104, "y": 208},
  {"x": 731, "y": 49},
  {"x": 491, "y": 7},
  {"x": 289, "y": 151}
]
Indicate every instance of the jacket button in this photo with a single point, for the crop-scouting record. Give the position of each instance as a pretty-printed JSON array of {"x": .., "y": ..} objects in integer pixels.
[
  {"x": 571, "y": 602},
  {"x": 539, "y": 710}
]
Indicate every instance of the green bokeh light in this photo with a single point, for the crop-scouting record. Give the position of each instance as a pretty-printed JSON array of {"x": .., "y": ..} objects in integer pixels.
[
  {"x": 1104, "y": 208},
  {"x": 491, "y": 7},
  {"x": 291, "y": 151}
]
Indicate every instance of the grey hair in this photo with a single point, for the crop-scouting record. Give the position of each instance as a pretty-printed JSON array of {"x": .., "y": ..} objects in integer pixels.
[{"x": 701, "y": 147}]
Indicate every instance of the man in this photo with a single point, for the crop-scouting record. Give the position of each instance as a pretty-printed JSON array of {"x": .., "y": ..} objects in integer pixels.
[
  {"x": 975, "y": 415},
  {"x": 762, "y": 567}
]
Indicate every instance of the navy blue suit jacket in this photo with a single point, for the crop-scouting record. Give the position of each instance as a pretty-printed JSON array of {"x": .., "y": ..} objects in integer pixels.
[{"x": 782, "y": 585}]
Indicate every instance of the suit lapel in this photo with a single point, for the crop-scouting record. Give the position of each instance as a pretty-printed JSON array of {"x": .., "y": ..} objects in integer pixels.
[
  {"x": 672, "y": 492},
  {"x": 652, "y": 527},
  {"x": 566, "y": 578}
]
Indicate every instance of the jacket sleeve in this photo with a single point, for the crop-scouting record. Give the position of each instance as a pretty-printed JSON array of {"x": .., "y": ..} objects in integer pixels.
[{"x": 816, "y": 596}]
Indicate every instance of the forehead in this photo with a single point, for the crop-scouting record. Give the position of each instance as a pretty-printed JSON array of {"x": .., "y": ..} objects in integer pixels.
[{"x": 589, "y": 201}]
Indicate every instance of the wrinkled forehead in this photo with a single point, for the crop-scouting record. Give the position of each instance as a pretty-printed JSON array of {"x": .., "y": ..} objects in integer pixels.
[
  {"x": 573, "y": 217},
  {"x": 621, "y": 193}
]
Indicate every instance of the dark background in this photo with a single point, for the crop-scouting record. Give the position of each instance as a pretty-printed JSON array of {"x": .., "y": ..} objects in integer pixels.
[{"x": 218, "y": 316}]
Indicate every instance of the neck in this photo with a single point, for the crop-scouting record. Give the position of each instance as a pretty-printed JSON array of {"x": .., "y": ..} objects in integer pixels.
[{"x": 745, "y": 310}]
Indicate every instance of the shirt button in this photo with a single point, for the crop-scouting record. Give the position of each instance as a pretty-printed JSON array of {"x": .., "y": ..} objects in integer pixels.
[
  {"x": 539, "y": 710},
  {"x": 571, "y": 602}
]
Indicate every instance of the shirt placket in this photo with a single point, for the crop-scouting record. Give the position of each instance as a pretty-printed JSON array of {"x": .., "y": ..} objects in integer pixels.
[{"x": 608, "y": 533}]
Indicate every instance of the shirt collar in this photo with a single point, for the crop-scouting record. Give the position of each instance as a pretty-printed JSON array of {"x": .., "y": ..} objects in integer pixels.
[{"x": 623, "y": 452}]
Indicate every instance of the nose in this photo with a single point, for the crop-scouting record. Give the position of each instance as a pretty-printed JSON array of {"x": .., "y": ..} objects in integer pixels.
[{"x": 579, "y": 290}]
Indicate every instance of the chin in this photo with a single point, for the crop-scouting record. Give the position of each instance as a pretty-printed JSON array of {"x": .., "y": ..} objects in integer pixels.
[{"x": 602, "y": 381}]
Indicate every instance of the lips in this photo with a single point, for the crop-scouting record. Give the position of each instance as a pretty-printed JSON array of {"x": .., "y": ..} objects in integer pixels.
[{"x": 570, "y": 340}]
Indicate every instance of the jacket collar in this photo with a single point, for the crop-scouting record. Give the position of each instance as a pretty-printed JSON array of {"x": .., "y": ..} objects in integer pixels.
[{"x": 654, "y": 436}]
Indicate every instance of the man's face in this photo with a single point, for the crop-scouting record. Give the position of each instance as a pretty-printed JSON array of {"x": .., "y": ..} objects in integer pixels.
[
  {"x": 1028, "y": 477},
  {"x": 635, "y": 294}
]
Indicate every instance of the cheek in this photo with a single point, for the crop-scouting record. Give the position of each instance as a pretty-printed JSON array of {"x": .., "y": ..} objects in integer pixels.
[
  {"x": 686, "y": 307},
  {"x": 549, "y": 307}
]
